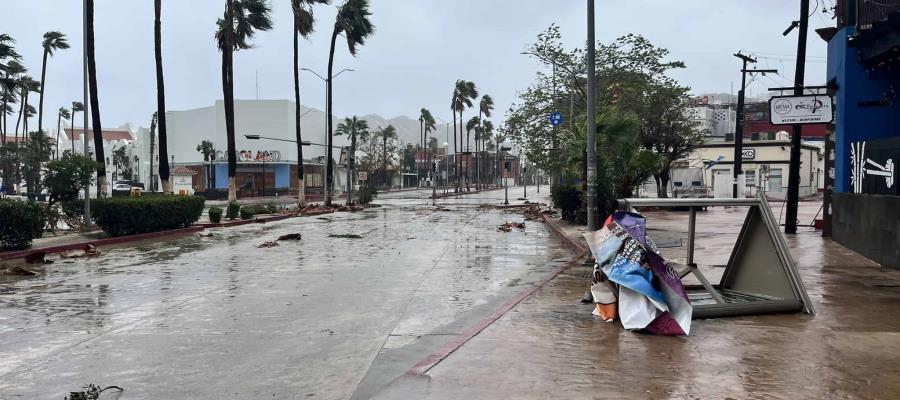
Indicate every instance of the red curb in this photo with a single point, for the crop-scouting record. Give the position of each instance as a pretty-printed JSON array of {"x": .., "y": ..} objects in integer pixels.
[
  {"x": 99, "y": 242},
  {"x": 433, "y": 359},
  {"x": 573, "y": 244}
]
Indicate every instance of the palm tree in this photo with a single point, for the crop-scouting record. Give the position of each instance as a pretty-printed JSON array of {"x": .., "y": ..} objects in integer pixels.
[
  {"x": 160, "y": 114},
  {"x": 95, "y": 103},
  {"x": 235, "y": 29},
  {"x": 388, "y": 133},
  {"x": 11, "y": 67},
  {"x": 353, "y": 22},
  {"x": 62, "y": 114},
  {"x": 52, "y": 41},
  {"x": 153, "y": 121},
  {"x": 426, "y": 125},
  {"x": 208, "y": 150},
  {"x": 77, "y": 106},
  {"x": 487, "y": 130},
  {"x": 354, "y": 128},
  {"x": 26, "y": 85},
  {"x": 485, "y": 109},
  {"x": 464, "y": 94},
  {"x": 472, "y": 124},
  {"x": 304, "y": 25}
]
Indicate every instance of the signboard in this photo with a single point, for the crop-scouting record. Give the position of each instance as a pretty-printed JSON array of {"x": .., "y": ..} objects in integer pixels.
[
  {"x": 874, "y": 167},
  {"x": 556, "y": 119},
  {"x": 362, "y": 176},
  {"x": 250, "y": 156},
  {"x": 800, "y": 110},
  {"x": 748, "y": 154}
]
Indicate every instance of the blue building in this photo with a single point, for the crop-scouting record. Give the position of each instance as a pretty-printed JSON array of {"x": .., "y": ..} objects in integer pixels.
[{"x": 864, "y": 76}]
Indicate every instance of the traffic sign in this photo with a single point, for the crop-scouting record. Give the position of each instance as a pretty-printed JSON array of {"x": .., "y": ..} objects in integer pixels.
[
  {"x": 363, "y": 176},
  {"x": 556, "y": 118}
]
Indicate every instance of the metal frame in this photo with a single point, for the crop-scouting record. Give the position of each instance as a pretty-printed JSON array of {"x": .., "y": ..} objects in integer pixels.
[{"x": 728, "y": 302}]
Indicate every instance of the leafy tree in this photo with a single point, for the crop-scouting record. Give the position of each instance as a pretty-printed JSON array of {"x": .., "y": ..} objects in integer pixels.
[
  {"x": 304, "y": 25},
  {"x": 357, "y": 130},
  {"x": 36, "y": 151},
  {"x": 208, "y": 150},
  {"x": 235, "y": 30},
  {"x": 160, "y": 115},
  {"x": 52, "y": 41},
  {"x": 67, "y": 177},
  {"x": 77, "y": 106},
  {"x": 122, "y": 163},
  {"x": 95, "y": 101}
]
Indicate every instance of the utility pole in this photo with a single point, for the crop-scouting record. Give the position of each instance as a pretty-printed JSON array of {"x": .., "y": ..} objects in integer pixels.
[
  {"x": 739, "y": 123},
  {"x": 793, "y": 194},
  {"x": 87, "y": 105},
  {"x": 592, "y": 217}
]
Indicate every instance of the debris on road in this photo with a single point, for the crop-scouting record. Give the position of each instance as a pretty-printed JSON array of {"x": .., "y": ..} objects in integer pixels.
[
  {"x": 290, "y": 236},
  {"x": 346, "y": 236},
  {"x": 632, "y": 282},
  {"x": 6, "y": 269},
  {"x": 533, "y": 213},
  {"x": 508, "y": 227},
  {"x": 37, "y": 258},
  {"x": 266, "y": 245},
  {"x": 89, "y": 250}
]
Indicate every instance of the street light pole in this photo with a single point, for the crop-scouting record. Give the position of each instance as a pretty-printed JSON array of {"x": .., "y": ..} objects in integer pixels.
[
  {"x": 592, "y": 216},
  {"x": 503, "y": 150},
  {"x": 87, "y": 105}
]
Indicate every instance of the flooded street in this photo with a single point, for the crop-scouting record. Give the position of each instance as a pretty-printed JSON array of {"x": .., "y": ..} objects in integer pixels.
[{"x": 216, "y": 317}]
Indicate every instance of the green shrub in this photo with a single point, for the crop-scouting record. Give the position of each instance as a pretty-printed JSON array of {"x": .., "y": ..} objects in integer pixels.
[
  {"x": 568, "y": 199},
  {"x": 366, "y": 194},
  {"x": 272, "y": 208},
  {"x": 215, "y": 215},
  {"x": 20, "y": 223},
  {"x": 246, "y": 213},
  {"x": 232, "y": 213},
  {"x": 122, "y": 216}
]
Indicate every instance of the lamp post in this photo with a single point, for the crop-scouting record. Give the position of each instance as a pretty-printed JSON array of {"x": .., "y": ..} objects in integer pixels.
[
  {"x": 503, "y": 176},
  {"x": 87, "y": 105},
  {"x": 446, "y": 153},
  {"x": 329, "y": 168}
]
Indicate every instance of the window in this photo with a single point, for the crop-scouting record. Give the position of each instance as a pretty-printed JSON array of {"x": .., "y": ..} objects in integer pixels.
[
  {"x": 750, "y": 177},
  {"x": 775, "y": 180}
]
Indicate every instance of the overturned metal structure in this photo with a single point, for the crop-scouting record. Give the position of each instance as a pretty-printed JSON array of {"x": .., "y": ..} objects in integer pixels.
[{"x": 760, "y": 277}]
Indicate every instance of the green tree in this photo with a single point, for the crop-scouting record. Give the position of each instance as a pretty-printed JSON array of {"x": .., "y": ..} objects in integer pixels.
[
  {"x": 9, "y": 165},
  {"x": 464, "y": 93},
  {"x": 36, "y": 151},
  {"x": 352, "y": 21},
  {"x": 236, "y": 28},
  {"x": 304, "y": 25},
  {"x": 356, "y": 130},
  {"x": 67, "y": 177},
  {"x": 10, "y": 67},
  {"x": 474, "y": 123},
  {"x": 52, "y": 41},
  {"x": 95, "y": 101},
  {"x": 208, "y": 150},
  {"x": 388, "y": 133},
  {"x": 160, "y": 115},
  {"x": 26, "y": 85},
  {"x": 122, "y": 163},
  {"x": 426, "y": 125},
  {"x": 62, "y": 114}
]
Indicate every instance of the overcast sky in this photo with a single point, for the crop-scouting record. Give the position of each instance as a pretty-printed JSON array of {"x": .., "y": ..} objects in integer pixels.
[{"x": 419, "y": 49}]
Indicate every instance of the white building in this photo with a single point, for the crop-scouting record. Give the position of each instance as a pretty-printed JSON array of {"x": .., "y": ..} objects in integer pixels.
[{"x": 713, "y": 120}]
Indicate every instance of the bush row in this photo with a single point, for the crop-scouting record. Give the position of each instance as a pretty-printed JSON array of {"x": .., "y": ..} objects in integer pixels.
[
  {"x": 20, "y": 223},
  {"x": 131, "y": 216}
]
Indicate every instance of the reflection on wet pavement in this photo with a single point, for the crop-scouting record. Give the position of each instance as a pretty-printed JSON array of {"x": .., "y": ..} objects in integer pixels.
[{"x": 215, "y": 317}]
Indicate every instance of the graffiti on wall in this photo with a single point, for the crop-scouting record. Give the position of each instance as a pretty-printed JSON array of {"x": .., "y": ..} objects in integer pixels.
[
  {"x": 872, "y": 166},
  {"x": 250, "y": 156}
]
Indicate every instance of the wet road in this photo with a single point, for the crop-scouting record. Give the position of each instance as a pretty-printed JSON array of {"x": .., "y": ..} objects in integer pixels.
[{"x": 216, "y": 317}]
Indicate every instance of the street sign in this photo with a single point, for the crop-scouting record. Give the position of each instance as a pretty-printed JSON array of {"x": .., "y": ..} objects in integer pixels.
[
  {"x": 748, "y": 154},
  {"x": 556, "y": 119},
  {"x": 800, "y": 110},
  {"x": 362, "y": 176}
]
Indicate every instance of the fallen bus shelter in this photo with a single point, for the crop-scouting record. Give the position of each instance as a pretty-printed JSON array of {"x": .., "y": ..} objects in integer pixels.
[{"x": 760, "y": 277}]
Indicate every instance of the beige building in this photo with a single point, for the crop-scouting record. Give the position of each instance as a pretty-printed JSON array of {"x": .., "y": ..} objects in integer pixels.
[{"x": 765, "y": 164}]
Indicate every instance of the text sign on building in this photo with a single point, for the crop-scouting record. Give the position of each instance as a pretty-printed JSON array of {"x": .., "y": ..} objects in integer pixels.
[
  {"x": 799, "y": 110},
  {"x": 748, "y": 154}
]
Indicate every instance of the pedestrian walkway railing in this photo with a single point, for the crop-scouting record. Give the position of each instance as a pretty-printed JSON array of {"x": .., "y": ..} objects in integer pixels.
[{"x": 760, "y": 277}]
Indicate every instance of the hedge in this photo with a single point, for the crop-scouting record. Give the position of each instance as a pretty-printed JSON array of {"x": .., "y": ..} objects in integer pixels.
[
  {"x": 136, "y": 215},
  {"x": 20, "y": 223},
  {"x": 215, "y": 215},
  {"x": 233, "y": 209}
]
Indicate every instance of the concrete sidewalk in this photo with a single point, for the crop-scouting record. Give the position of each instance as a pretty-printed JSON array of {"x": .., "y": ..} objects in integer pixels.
[{"x": 550, "y": 346}]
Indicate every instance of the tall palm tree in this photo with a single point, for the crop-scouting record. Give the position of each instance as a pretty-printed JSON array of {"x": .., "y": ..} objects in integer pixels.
[
  {"x": 235, "y": 29},
  {"x": 353, "y": 22},
  {"x": 95, "y": 103},
  {"x": 208, "y": 150},
  {"x": 160, "y": 114},
  {"x": 154, "y": 119},
  {"x": 464, "y": 94},
  {"x": 385, "y": 134},
  {"x": 487, "y": 130},
  {"x": 304, "y": 25},
  {"x": 426, "y": 125},
  {"x": 472, "y": 124},
  {"x": 485, "y": 109},
  {"x": 355, "y": 129},
  {"x": 26, "y": 85},
  {"x": 11, "y": 67},
  {"x": 52, "y": 41},
  {"x": 62, "y": 114},
  {"x": 78, "y": 106}
]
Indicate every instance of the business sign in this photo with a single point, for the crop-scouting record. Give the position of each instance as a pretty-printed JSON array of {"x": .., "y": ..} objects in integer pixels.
[
  {"x": 800, "y": 110},
  {"x": 249, "y": 156},
  {"x": 748, "y": 154},
  {"x": 874, "y": 167}
]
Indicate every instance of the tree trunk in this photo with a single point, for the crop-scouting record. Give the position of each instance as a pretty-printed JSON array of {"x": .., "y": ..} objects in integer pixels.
[
  {"x": 329, "y": 164},
  {"x": 95, "y": 104},
  {"x": 161, "y": 100},
  {"x": 152, "y": 146},
  {"x": 351, "y": 158},
  {"x": 228, "y": 91},
  {"x": 664, "y": 178},
  {"x": 301, "y": 184},
  {"x": 22, "y": 103},
  {"x": 456, "y": 153},
  {"x": 384, "y": 178},
  {"x": 73, "y": 132},
  {"x": 58, "y": 129},
  {"x": 422, "y": 147},
  {"x": 41, "y": 101}
]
